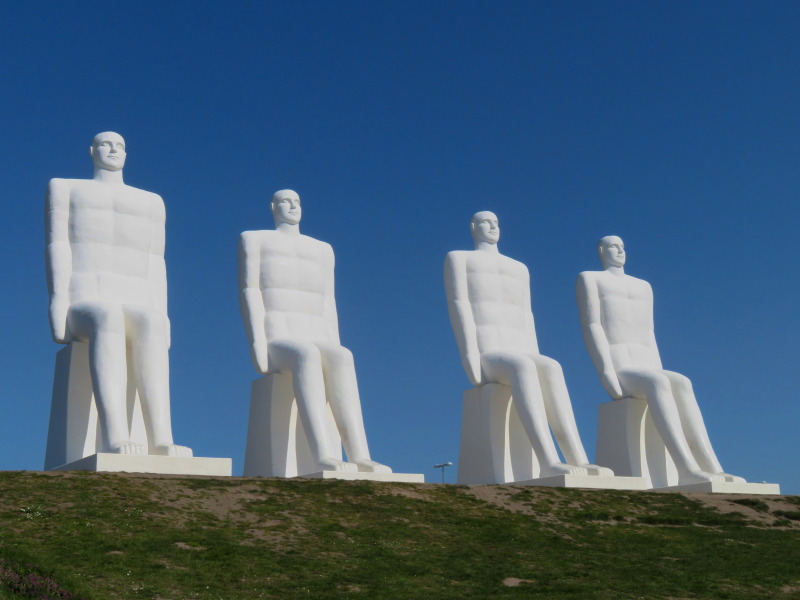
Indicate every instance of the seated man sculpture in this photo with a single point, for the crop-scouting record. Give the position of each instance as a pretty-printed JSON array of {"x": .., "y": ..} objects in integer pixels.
[
  {"x": 488, "y": 297},
  {"x": 287, "y": 300},
  {"x": 616, "y": 313},
  {"x": 108, "y": 287}
]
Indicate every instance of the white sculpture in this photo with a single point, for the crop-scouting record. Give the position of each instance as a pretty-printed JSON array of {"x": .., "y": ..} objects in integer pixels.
[
  {"x": 287, "y": 300},
  {"x": 488, "y": 296},
  {"x": 616, "y": 313},
  {"x": 107, "y": 281}
]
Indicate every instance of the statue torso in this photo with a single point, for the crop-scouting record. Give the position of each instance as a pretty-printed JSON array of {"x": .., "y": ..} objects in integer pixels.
[
  {"x": 626, "y": 314},
  {"x": 296, "y": 275},
  {"x": 499, "y": 294},
  {"x": 116, "y": 239}
]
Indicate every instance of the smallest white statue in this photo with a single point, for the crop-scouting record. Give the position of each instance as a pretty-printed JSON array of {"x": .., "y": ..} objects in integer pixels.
[
  {"x": 616, "y": 313},
  {"x": 287, "y": 300},
  {"x": 489, "y": 300}
]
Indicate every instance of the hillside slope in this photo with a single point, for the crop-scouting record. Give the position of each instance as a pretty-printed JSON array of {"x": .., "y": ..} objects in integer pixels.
[{"x": 121, "y": 536}]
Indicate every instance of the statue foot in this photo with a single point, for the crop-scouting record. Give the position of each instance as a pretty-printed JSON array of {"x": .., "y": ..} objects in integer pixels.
[
  {"x": 334, "y": 464},
  {"x": 130, "y": 448},
  {"x": 370, "y": 466},
  {"x": 561, "y": 469},
  {"x": 733, "y": 478},
  {"x": 699, "y": 477},
  {"x": 597, "y": 470},
  {"x": 172, "y": 450}
]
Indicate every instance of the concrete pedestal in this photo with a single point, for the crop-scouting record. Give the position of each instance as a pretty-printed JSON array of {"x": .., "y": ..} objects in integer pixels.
[
  {"x": 630, "y": 445},
  {"x": 588, "y": 481},
  {"x": 386, "y": 477},
  {"x": 494, "y": 445},
  {"x": 167, "y": 465},
  {"x": 277, "y": 445},
  {"x": 74, "y": 431}
]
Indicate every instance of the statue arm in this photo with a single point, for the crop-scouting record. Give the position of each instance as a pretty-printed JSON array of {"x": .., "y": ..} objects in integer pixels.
[
  {"x": 251, "y": 300},
  {"x": 595, "y": 336},
  {"x": 158, "y": 273},
  {"x": 530, "y": 324},
  {"x": 58, "y": 257},
  {"x": 329, "y": 305},
  {"x": 461, "y": 316}
]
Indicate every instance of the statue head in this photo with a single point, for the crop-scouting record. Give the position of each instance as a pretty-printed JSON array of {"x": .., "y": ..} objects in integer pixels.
[
  {"x": 611, "y": 251},
  {"x": 484, "y": 227},
  {"x": 108, "y": 151},
  {"x": 285, "y": 207}
]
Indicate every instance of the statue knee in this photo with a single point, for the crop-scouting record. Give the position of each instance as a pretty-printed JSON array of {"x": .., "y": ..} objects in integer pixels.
[
  {"x": 91, "y": 319},
  {"x": 305, "y": 356},
  {"x": 659, "y": 386},
  {"x": 147, "y": 323}
]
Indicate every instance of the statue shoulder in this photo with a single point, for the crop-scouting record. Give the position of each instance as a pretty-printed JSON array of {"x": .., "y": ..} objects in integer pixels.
[{"x": 456, "y": 257}]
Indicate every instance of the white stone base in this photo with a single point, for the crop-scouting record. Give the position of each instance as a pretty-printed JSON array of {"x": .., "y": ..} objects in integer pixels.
[
  {"x": 277, "y": 444},
  {"x": 166, "y": 465},
  {"x": 726, "y": 487},
  {"x": 630, "y": 445},
  {"x": 365, "y": 476},
  {"x": 494, "y": 445},
  {"x": 595, "y": 482}
]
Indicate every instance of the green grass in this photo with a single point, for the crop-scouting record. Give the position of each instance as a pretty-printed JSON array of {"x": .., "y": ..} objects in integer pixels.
[{"x": 118, "y": 537}]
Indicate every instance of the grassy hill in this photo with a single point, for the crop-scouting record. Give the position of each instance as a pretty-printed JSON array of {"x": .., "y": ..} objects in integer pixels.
[{"x": 119, "y": 536}]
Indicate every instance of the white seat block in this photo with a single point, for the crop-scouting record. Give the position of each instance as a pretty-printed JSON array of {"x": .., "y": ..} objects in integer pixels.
[{"x": 277, "y": 445}]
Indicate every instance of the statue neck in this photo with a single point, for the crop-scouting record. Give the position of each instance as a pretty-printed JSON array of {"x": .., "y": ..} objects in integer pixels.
[
  {"x": 618, "y": 271},
  {"x": 106, "y": 176},
  {"x": 487, "y": 247},
  {"x": 288, "y": 228}
]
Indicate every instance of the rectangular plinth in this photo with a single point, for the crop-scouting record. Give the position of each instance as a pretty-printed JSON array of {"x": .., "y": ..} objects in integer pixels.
[
  {"x": 726, "y": 487},
  {"x": 595, "y": 482},
  {"x": 165, "y": 465},
  {"x": 387, "y": 477}
]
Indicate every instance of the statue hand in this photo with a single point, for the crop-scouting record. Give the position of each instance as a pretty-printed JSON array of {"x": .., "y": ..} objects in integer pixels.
[
  {"x": 260, "y": 356},
  {"x": 58, "y": 323},
  {"x": 611, "y": 384}
]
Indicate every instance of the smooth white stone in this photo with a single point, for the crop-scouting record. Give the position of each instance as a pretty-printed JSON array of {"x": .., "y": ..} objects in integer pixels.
[
  {"x": 108, "y": 287},
  {"x": 286, "y": 284},
  {"x": 595, "y": 482},
  {"x": 277, "y": 445},
  {"x": 166, "y": 465},
  {"x": 629, "y": 443},
  {"x": 726, "y": 487},
  {"x": 386, "y": 477},
  {"x": 616, "y": 312},
  {"x": 489, "y": 302}
]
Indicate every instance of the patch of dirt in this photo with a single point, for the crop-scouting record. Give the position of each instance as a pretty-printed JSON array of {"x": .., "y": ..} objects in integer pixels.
[
  {"x": 185, "y": 546},
  {"x": 515, "y": 581},
  {"x": 725, "y": 503}
]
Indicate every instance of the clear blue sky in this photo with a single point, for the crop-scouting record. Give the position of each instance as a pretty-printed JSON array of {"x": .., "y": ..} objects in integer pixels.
[{"x": 674, "y": 125}]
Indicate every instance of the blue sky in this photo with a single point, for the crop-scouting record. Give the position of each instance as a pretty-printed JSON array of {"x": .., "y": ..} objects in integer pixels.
[{"x": 674, "y": 125}]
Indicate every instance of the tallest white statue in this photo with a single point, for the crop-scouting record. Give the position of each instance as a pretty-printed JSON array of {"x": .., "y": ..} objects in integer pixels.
[{"x": 108, "y": 287}]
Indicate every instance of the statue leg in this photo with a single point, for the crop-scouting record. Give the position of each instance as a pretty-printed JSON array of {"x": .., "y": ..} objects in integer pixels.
[
  {"x": 102, "y": 325},
  {"x": 519, "y": 372},
  {"x": 148, "y": 332},
  {"x": 342, "y": 392},
  {"x": 654, "y": 387},
  {"x": 560, "y": 415},
  {"x": 304, "y": 361},
  {"x": 694, "y": 427}
]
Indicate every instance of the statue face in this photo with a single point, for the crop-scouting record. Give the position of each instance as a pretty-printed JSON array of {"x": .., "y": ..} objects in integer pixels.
[
  {"x": 485, "y": 227},
  {"x": 286, "y": 207},
  {"x": 612, "y": 252},
  {"x": 108, "y": 151}
]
